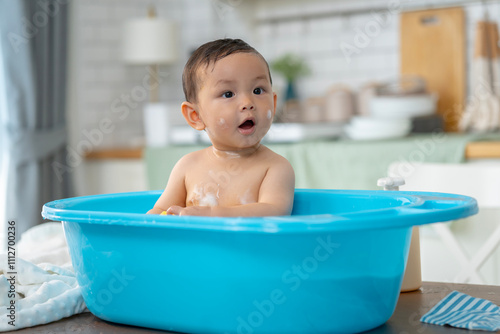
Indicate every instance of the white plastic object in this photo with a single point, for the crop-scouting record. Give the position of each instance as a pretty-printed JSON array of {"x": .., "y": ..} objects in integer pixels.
[
  {"x": 391, "y": 183},
  {"x": 412, "y": 279}
]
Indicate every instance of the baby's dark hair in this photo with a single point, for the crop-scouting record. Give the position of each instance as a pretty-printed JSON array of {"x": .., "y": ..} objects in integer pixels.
[{"x": 210, "y": 53}]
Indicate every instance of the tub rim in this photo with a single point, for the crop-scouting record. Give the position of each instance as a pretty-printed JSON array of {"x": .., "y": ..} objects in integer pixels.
[{"x": 420, "y": 208}]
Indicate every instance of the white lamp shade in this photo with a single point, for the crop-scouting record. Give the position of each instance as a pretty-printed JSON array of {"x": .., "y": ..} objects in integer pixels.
[{"x": 149, "y": 41}]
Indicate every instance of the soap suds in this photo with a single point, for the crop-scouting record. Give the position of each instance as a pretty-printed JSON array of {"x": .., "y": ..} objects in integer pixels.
[
  {"x": 222, "y": 123},
  {"x": 225, "y": 154},
  {"x": 209, "y": 200},
  {"x": 269, "y": 114},
  {"x": 204, "y": 198},
  {"x": 246, "y": 198}
]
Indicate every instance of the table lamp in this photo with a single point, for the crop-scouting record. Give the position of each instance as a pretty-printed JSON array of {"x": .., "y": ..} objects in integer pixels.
[{"x": 151, "y": 41}]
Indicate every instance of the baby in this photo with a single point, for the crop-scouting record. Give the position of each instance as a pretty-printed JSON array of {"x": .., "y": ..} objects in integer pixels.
[{"x": 228, "y": 90}]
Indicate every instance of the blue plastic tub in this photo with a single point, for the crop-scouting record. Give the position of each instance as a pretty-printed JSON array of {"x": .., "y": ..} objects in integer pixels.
[{"x": 334, "y": 266}]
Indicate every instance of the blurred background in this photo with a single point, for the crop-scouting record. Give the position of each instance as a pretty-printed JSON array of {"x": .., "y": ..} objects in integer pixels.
[{"x": 90, "y": 95}]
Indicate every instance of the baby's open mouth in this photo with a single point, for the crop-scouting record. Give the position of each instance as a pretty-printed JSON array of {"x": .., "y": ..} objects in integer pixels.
[
  {"x": 248, "y": 124},
  {"x": 247, "y": 127}
]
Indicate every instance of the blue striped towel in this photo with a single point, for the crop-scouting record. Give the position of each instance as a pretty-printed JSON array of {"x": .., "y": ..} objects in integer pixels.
[{"x": 463, "y": 311}]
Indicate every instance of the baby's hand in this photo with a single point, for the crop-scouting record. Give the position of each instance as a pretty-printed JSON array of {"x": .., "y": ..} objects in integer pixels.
[{"x": 189, "y": 211}]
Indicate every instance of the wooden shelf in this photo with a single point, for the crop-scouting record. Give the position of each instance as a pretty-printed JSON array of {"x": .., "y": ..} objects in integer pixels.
[
  {"x": 482, "y": 150},
  {"x": 124, "y": 153}
]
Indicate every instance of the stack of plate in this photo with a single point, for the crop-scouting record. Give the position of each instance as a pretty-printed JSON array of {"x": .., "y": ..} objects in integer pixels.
[
  {"x": 367, "y": 127},
  {"x": 391, "y": 115}
]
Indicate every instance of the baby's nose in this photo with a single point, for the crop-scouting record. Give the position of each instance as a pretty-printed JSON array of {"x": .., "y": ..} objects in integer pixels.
[{"x": 247, "y": 104}]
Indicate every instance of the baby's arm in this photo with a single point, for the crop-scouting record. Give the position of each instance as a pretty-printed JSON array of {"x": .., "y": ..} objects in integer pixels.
[
  {"x": 175, "y": 191},
  {"x": 275, "y": 197}
]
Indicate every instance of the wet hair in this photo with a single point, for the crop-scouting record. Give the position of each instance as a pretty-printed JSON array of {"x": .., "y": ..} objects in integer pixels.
[{"x": 210, "y": 53}]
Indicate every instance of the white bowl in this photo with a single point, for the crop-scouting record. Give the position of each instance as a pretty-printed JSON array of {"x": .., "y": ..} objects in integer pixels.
[
  {"x": 376, "y": 132},
  {"x": 405, "y": 106},
  {"x": 370, "y": 122}
]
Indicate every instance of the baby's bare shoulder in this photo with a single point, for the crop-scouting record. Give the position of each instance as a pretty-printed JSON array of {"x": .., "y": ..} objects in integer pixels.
[
  {"x": 193, "y": 157},
  {"x": 279, "y": 178},
  {"x": 276, "y": 161},
  {"x": 270, "y": 155}
]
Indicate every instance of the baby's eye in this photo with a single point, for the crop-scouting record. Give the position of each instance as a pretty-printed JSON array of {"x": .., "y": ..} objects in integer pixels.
[
  {"x": 228, "y": 95},
  {"x": 258, "y": 91}
]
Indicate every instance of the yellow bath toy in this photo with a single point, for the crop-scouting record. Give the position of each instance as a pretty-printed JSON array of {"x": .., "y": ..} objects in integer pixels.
[{"x": 164, "y": 213}]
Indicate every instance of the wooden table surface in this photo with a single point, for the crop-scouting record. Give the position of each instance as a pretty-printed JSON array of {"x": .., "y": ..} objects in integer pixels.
[{"x": 405, "y": 320}]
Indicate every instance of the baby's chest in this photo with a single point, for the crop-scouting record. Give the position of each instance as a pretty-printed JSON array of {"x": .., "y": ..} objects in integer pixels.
[{"x": 224, "y": 187}]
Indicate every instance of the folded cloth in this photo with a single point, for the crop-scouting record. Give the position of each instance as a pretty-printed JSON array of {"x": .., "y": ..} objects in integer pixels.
[
  {"x": 44, "y": 287},
  {"x": 45, "y": 243},
  {"x": 463, "y": 311}
]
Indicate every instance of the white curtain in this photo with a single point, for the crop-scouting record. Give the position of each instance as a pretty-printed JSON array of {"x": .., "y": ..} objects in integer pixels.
[
  {"x": 4, "y": 162},
  {"x": 33, "y": 38}
]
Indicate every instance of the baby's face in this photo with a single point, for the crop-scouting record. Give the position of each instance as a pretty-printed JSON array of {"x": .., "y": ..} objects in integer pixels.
[{"x": 236, "y": 102}]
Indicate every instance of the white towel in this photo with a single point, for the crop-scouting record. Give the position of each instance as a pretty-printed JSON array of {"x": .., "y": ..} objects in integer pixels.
[{"x": 45, "y": 285}]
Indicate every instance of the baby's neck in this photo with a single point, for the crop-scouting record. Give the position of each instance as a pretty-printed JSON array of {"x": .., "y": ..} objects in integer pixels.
[{"x": 228, "y": 154}]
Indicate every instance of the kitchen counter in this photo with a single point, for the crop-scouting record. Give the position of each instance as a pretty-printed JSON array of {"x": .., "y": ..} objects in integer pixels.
[
  {"x": 344, "y": 164},
  {"x": 347, "y": 164},
  {"x": 406, "y": 318},
  {"x": 473, "y": 150}
]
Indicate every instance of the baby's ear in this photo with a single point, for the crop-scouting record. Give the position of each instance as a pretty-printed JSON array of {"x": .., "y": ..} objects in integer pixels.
[
  {"x": 189, "y": 110},
  {"x": 275, "y": 100}
]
